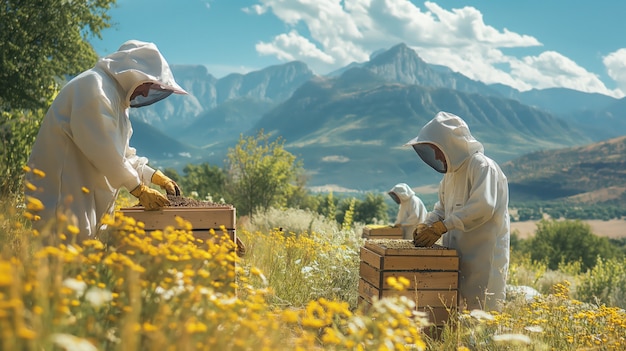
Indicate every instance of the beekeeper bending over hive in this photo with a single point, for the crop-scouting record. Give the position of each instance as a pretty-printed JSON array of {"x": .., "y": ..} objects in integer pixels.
[
  {"x": 472, "y": 211},
  {"x": 83, "y": 142},
  {"x": 411, "y": 211}
]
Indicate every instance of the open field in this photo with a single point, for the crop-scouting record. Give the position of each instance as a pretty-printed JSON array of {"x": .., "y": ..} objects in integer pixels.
[{"x": 615, "y": 228}]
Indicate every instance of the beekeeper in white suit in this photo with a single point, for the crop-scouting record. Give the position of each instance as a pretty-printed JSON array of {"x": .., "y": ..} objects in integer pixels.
[
  {"x": 472, "y": 211},
  {"x": 83, "y": 143},
  {"x": 411, "y": 211}
]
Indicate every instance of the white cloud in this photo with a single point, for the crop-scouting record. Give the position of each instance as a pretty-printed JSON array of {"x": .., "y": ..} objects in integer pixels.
[
  {"x": 341, "y": 32},
  {"x": 615, "y": 64},
  {"x": 255, "y": 9},
  {"x": 551, "y": 69},
  {"x": 292, "y": 46}
]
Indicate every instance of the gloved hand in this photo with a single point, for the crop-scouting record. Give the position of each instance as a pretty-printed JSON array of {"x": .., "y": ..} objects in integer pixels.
[
  {"x": 149, "y": 198},
  {"x": 426, "y": 236},
  {"x": 167, "y": 184}
]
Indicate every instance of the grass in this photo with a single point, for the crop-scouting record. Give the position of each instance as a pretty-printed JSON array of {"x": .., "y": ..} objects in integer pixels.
[{"x": 295, "y": 289}]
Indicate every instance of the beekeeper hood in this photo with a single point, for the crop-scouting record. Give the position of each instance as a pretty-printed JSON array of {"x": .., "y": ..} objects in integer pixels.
[
  {"x": 449, "y": 134},
  {"x": 401, "y": 192},
  {"x": 136, "y": 63}
]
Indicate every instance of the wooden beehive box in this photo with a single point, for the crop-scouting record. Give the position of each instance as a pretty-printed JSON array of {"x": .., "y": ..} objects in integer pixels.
[
  {"x": 202, "y": 219},
  {"x": 433, "y": 274},
  {"x": 372, "y": 231}
]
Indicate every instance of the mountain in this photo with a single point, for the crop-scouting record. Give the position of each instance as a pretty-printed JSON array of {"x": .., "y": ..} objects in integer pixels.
[
  {"x": 348, "y": 128},
  {"x": 268, "y": 86},
  {"x": 225, "y": 122},
  {"x": 593, "y": 173},
  {"x": 402, "y": 64}
]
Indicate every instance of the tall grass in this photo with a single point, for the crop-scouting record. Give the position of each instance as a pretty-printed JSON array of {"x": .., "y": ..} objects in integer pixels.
[{"x": 295, "y": 289}]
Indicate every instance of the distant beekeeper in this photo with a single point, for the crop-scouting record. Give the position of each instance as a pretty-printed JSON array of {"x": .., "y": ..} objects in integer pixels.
[
  {"x": 411, "y": 211},
  {"x": 472, "y": 211},
  {"x": 83, "y": 142}
]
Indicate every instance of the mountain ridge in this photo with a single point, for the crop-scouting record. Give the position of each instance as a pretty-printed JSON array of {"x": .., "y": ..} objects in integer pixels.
[{"x": 335, "y": 122}]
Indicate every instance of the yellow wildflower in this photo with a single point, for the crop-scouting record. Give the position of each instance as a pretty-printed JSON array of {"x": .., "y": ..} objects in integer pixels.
[
  {"x": 6, "y": 273},
  {"x": 33, "y": 204},
  {"x": 73, "y": 229},
  {"x": 39, "y": 173}
]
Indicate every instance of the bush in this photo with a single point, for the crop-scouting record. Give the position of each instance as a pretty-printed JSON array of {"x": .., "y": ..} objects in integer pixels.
[
  {"x": 604, "y": 283},
  {"x": 562, "y": 242}
]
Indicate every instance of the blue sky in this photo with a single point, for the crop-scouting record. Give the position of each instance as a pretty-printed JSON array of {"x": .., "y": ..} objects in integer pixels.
[{"x": 577, "y": 44}]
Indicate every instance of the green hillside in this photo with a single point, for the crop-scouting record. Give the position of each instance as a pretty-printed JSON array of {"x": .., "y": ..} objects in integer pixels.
[{"x": 595, "y": 173}]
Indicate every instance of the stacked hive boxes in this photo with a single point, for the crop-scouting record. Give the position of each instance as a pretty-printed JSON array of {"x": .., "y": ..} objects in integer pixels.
[
  {"x": 433, "y": 274},
  {"x": 372, "y": 231}
]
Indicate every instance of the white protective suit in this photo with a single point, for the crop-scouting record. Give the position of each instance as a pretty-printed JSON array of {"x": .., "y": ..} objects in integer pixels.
[
  {"x": 411, "y": 211},
  {"x": 83, "y": 143},
  {"x": 473, "y": 205}
]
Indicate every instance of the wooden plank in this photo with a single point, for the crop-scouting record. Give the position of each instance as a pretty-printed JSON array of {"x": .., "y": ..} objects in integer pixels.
[
  {"x": 370, "y": 274},
  {"x": 206, "y": 235},
  {"x": 424, "y": 263},
  {"x": 375, "y": 230},
  {"x": 417, "y": 279},
  {"x": 408, "y": 263},
  {"x": 423, "y": 279},
  {"x": 408, "y": 249},
  {"x": 199, "y": 217},
  {"x": 438, "y": 316},
  {"x": 422, "y": 298},
  {"x": 390, "y": 237},
  {"x": 368, "y": 291},
  {"x": 371, "y": 258}
]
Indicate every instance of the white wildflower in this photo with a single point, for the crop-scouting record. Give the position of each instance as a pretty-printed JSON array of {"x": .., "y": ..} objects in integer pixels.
[
  {"x": 98, "y": 297},
  {"x": 78, "y": 286},
  {"x": 70, "y": 342},
  {"x": 512, "y": 338},
  {"x": 482, "y": 315},
  {"x": 534, "y": 328}
]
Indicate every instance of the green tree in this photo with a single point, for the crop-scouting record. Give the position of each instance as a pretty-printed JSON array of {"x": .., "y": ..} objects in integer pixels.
[
  {"x": 18, "y": 130},
  {"x": 568, "y": 241},
  {"x": 298, "y": 196},
  {"x": 41, "y": 42},
  {"x": 261, "y": 173},
  {"x": 204, "y": 179},
  {"x": 372, "y": 209}
]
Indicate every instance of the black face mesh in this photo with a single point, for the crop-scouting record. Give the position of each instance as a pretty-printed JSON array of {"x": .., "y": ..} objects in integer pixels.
[
  {"x": 394, "y": 197},
  {"x": 154, "y": 95},
  {"x": 427, "y": 154}
]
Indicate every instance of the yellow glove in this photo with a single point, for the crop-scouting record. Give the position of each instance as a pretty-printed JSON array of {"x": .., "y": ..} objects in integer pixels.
[
  {"x": 417, "y": 231},
  {"x": 170, "y": 186},
  {"x": 149, "y": 198},
  {"x": 426, "y": 236}
]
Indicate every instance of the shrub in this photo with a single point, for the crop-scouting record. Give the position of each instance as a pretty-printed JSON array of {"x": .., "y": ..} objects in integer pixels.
[
  {"x": 562, "y": 242},
  {"x": 604, "y": 283}
]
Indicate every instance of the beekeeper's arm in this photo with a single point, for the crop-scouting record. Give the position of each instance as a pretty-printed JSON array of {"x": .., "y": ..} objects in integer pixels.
[
  {"x": 481, "y": 203},
  {"x": 438, "y": 212},
  {"x": 149, "y": 174},
  {"x": 94, "y": 127},
  {"x": 427, "y": 233}
]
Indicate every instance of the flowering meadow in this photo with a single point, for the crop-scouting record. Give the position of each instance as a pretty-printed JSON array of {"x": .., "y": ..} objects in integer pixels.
[{"x": 294, "y": 289}]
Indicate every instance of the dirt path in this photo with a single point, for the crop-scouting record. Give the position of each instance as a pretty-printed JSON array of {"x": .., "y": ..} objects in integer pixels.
[{"x": 615, "y": 228}]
